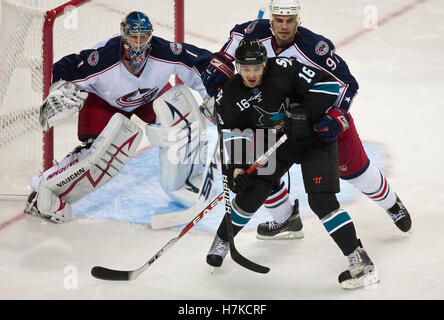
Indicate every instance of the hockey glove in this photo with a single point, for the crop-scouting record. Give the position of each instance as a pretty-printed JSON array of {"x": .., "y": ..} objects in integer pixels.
[
  {"x": 217, "y": 72},
  {"x": 297, "y": 124},
  {"x": 63, "y": 100},
  {"x": 238, "y": 180},
  {"x": 330, "y": 125}
]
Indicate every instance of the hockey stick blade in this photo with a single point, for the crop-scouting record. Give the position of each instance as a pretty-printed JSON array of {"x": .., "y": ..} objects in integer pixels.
[
  {"x": 125, "y": 275},
  {"x": 240, "y": 259},
  {"x": 109, "y": 274},
  {"x": 235, "y": 255}
]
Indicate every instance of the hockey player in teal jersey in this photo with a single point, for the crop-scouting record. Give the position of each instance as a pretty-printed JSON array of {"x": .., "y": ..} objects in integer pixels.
[
  {"x": 283, "y": 36},
  {"x": 282, "y": 95}
]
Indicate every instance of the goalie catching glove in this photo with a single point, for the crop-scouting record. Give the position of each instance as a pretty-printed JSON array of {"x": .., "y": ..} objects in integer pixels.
[{"x": 63, "y": 100}]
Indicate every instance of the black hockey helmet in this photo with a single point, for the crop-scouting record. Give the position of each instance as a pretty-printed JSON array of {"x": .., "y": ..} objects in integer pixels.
[{"x": 251, "y": 51}]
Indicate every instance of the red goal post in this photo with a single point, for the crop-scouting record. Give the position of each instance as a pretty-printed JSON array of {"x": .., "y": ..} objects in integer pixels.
[
  {"x": 40, "y": 32},
  {"x": 50, "y": 17}
]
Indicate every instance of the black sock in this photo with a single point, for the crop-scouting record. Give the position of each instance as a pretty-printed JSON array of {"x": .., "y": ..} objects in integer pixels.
[{"x": 222, "y": 231}]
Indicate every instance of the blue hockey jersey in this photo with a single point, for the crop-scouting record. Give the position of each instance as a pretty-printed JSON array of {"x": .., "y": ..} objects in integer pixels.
[
  {"x": 101, "y": 71},
  {"x": 308, "y": 48}
]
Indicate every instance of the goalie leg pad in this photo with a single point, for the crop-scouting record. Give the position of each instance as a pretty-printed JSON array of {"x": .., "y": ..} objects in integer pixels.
[
  {"x": 182, "y": 138},
  {"x": 52, "y": 206},
  {"x": 83, "y": 171}
]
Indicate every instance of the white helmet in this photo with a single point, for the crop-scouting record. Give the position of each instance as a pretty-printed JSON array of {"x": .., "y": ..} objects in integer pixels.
[{"x": 285, "y": 7}]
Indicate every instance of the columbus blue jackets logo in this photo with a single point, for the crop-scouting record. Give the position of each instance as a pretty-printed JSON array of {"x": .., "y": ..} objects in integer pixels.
[
  {"x": 137, "y": 98},
  {"x": 176, "y": 48},
  {"x": 322, "y": 48},
  {"x": 93, "y": 58},
  {"x": 251, "y": 27}
]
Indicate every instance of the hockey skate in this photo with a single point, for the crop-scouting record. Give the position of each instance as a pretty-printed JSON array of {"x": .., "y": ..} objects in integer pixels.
[
  {"x": 31, "y": 206},
  {"x": 217, "y": 253},
  {"x": 61, "y": 216},
  {"x": 400, "y": 215},
  {"x": 289, "y": 229},
  {"x": 361, "y": 271}
]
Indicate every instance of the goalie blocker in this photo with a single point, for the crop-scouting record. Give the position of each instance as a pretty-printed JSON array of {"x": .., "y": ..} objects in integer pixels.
[
  {"x": 63, "y": 100},
  {"x": 83, "y": 170}
]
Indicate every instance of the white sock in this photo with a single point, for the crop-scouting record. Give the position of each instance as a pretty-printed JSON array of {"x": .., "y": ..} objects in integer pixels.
[
  {"x": 375, "y": 186},
  {"x": 278, "y": 204}
]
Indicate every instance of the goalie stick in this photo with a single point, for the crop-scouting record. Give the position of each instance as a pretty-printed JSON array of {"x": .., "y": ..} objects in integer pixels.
[
  {"x": 125, "y": 275},
  {"x": 176, "y": 218}
]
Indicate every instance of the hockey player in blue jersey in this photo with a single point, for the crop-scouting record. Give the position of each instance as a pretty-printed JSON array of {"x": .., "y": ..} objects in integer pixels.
[
  {"x": 120, "y": 77},
  {"x": 283, "y": 36}
]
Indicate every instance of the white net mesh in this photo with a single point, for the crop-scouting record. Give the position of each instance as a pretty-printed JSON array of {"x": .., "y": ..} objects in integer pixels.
[{"x": 21, "y": 76}]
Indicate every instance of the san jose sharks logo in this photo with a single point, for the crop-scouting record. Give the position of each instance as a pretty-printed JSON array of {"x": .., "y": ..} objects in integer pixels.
[
  {"x": 137, "y": 98},
  {"x": 271, "y": 120}
]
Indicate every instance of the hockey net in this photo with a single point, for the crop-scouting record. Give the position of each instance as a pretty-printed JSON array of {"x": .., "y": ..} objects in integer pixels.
[{"x": 33, "y": 35}]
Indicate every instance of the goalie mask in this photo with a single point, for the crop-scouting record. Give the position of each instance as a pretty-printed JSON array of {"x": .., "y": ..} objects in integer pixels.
[{"x": 136, "y": 32}]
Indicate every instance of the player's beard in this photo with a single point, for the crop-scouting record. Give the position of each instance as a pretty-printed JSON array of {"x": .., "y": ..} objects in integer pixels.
[{"x": 283, "y": 39}]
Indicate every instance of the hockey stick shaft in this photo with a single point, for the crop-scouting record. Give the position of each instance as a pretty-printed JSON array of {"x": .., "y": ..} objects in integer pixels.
[
  {"x": 125, "y": 275},
  {"x": 110, "y": 274},
  {"x": 235, "y": 255},
  {"x": 260, "y": 13},
  {"x": 264, "y": 158}
]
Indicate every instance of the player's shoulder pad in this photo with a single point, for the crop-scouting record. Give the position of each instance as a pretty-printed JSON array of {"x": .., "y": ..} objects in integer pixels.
[
  {"x": 102, "y": 56},
  {"x": 315, "y": 46},
  {"x": 257, "y": 29},
  {"x": 177, "y": 52},
  {"x": 282, "y": 64}
]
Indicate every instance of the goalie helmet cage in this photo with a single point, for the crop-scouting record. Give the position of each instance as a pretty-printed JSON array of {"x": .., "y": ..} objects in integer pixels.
[{"x": 33, "y": 35}]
